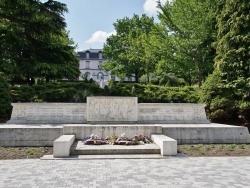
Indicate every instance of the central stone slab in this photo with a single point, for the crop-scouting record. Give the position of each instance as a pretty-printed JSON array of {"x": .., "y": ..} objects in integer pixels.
[{"x": 112, "y": 109}]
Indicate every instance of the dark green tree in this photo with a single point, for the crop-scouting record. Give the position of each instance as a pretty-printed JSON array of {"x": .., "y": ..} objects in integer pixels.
[
  {"x": 233, "y": 47},
  {"x": 33, "y": 40},
  {"x": 5, "y": 100}
]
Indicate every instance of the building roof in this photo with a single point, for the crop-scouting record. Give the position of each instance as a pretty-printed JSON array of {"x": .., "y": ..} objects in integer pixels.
[{"x": 93, "y": 54}]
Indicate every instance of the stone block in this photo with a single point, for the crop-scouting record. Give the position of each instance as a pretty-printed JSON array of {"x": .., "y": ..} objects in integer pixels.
[
  {"x": 61, "y": 146},
  {"x": 167, "y": 145},
  {"x": 111, "y": 109}
]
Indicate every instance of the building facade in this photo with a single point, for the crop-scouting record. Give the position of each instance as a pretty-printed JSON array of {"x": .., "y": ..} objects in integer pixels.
[{"x": 90, "y": 67}]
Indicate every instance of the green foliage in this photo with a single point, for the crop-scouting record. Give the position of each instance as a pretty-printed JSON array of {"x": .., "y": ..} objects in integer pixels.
[
  {"x": 220, "y": 100},
  {"x": 128, "y": 50},
  {"x": 167, "y": 79},
  {"x": 5, "y": 99},
  {"x": 56, "y": 92},
  {"x": 156, "y": 94},
  {"x": 34, "y": 42},
  {"x": 185, "y": 34},
  {"x": 24, "y": 93},
  {"x": 232, "y": 46}
]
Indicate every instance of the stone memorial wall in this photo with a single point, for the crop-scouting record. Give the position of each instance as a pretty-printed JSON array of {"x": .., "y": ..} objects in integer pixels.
[
  {"x": 174, "y": 113},
  {"x": 48, "y": 113},
  {"x": 111, "y": 110}
]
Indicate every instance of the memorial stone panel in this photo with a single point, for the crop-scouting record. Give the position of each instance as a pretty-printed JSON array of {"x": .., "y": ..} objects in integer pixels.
[
  {"x": 48, "y": 113},
  {"x": 112, "y": 109},
  {"x": 171, "y": 113}
]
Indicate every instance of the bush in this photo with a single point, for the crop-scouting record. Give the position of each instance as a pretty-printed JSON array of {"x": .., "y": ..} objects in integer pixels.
[
  {"x": 220, "y": 100},
  {"x": 5, "y": 100},
  {"x": 156, "y": 94},
  {"x": 24, "y": 93},
  {"x": 56, "y": 92}
]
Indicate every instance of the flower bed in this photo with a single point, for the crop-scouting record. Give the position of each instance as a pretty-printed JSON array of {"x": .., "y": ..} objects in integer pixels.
[{"x": 119, "y": 140}]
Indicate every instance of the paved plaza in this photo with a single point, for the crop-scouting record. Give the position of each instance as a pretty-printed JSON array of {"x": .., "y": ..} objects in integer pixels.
[{"x": 156, "y": 173}]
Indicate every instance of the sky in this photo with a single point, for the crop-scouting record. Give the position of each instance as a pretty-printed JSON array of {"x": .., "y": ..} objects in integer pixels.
[{"x": 90, "y": 22}]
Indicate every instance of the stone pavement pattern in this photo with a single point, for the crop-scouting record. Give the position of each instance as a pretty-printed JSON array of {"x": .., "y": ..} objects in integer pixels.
[{"x": 156, "y": 173}]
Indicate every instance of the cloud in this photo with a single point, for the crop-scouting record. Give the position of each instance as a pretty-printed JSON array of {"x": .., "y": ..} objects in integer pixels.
[
  {"x": 99, "y": 37},
  {"x": 150, "y": 6}
]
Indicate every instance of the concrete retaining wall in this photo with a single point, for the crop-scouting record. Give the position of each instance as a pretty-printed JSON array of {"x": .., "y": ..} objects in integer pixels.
[
  {"x": 207, "y": 133},
  {"x": 23, "y": 135},
  {"x": 102, "y": 131}
]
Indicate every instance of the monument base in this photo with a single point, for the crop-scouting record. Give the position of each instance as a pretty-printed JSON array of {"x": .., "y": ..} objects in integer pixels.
[{"x": 43, "y": 135}]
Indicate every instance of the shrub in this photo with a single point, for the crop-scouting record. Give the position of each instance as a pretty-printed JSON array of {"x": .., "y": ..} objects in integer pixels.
[
  {"x": 5, "y": 100},
  {"x": 219, "y": 99}
]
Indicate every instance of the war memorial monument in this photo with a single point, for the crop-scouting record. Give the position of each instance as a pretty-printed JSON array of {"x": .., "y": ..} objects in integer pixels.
[{"x": 63, "y": 125}]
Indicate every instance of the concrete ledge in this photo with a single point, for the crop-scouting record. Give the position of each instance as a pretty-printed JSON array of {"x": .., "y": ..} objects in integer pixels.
[
  {"x": 29, "y": 135},
  {"x": 61, "y": 146},
  {"x": 167, "y": 145},
  {"x": 206, "y": 133},
  {"x": 103, "y": 130}
]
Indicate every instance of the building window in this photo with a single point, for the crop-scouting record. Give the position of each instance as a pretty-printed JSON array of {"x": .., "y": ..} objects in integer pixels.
[
  {"x": 87, "y": 55},
  {"x": 87, "y": 75},
  {"x": 100, "y": 55},
  {"x": 99, "y": 65},
  {"x": 100, "y": 76},
  {"x": 87, "y": 64}
]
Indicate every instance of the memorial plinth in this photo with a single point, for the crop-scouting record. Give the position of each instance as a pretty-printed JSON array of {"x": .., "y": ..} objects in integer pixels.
[{"x": 110, "y": 110}]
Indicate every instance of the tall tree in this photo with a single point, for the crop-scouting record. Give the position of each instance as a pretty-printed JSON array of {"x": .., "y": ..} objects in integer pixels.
[
  {"x": 233, "y": 46},
  {"x": 126, "y": 50},
  {"x": 33, "y": 40},
  {"x": 191, "y": 30}
]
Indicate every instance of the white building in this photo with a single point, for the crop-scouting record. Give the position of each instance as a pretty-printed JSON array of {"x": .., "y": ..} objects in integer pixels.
[{"x": 90, "y": 67}]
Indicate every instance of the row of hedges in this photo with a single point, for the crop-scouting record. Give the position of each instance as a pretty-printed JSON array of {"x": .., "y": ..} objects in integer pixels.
[
  {"x": 156, "y": 94},
  {"x": 56, "y": 92},
  {"x": 77, "y": 92}
]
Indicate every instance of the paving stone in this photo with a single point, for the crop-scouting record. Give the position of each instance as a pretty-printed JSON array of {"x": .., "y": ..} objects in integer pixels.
[{"x": 168, "y": 172}]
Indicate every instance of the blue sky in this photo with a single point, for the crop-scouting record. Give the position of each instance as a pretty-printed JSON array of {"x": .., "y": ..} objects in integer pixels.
[{"x": 90, "y": 22}]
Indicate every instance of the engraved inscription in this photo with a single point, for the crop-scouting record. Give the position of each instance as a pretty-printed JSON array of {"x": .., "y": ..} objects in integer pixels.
[
  {"x": 158, "y": 113},
  {"x": 112, "y": 109}
]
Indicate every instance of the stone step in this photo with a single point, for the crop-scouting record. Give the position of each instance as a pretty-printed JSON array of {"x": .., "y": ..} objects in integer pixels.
[{"x": 79, "y": 148}]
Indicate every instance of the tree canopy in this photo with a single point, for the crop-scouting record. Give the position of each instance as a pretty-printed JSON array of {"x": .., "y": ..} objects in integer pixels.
[
  {"x": 187, "y": 49},
  {"x": 34, "y": 41},
  {"x": 233, "y": 46},
  {"x": 127, "y": 49}
]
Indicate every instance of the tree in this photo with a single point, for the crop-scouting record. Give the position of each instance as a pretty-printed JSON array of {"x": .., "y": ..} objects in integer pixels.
[
  {"x": 190, "y": 28},
  {"x": 5, "y": 99},
  {"x": 127, "y": 50},
  {"x": 33, "y": 40},
  {"x": 233, "y": 57}
]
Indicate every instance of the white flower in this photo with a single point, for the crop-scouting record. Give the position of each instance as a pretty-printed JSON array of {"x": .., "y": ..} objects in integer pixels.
[{"x": 92, "y": 135}]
